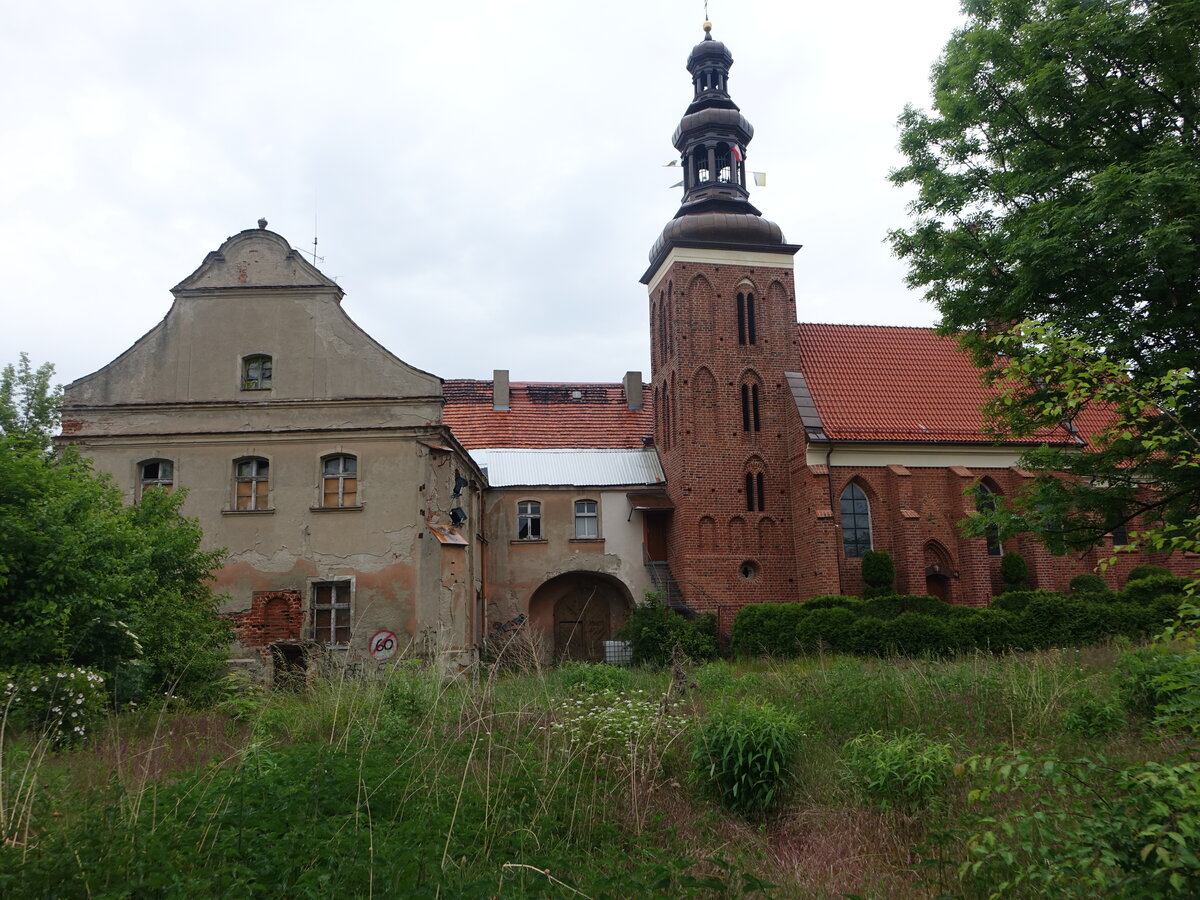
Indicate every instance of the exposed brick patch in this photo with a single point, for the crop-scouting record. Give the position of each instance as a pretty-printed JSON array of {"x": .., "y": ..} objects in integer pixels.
[{"x": 272, "y": 616}]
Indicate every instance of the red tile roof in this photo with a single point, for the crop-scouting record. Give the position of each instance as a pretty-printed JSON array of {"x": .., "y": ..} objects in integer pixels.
[
  {"x": 887, "y": 383},
  {"x": 545, "y": 416}
]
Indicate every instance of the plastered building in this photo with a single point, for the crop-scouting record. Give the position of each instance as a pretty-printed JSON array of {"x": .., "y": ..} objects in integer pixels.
[{"x": 369, "y": 507}]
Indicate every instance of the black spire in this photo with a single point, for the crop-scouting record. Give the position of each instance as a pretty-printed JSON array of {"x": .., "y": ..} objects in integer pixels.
[
  {"x": 712, "y": 138},
  {"x": 713, "y": 135}
]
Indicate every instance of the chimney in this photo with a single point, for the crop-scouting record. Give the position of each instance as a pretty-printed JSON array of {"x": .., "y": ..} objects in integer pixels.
[
  {"x": 633, "y": 390},
  {"x": 500, "y": 395}
]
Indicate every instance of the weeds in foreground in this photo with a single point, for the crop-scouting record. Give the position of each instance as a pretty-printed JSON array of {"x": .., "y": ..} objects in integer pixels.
[{"x": 539, "y": 782}]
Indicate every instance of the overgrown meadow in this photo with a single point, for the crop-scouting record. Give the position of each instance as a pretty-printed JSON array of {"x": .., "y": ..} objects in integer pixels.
[{"x": 1028, "y": 774}]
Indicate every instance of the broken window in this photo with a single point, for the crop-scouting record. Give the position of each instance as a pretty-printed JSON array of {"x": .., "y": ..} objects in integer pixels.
[
  {"x": 331, "y": 612},
  {"x": 587, "y": 522},
  {"x": 157, "y": 473},
  {"x": 529, "y": 520},
  {"x": 252, "y": 484},
  {"x": 339, "y": 484},
  {"x": 256, "y": 372}
]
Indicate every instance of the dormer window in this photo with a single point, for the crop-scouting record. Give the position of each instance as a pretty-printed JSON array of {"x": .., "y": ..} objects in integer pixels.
[{"x": 256, "y": 372}]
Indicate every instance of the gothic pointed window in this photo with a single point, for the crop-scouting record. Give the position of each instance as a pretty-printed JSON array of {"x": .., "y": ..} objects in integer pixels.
[
  {"x": 985, "y": 502},
  {"x": 755, "y": 493},
  {"x": 751, "y": 419},
  {"x": 856, "y": 521},
  {"x": 747, "y": 329}
]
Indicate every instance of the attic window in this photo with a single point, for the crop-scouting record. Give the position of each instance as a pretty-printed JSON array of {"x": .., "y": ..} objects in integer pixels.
[{"x": 256, "y": 372}]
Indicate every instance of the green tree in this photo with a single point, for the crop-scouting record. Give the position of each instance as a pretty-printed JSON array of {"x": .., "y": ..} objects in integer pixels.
[
  {"x": 1058, "y": 179},
  {"x": 86, "y": 579},
  {"x": 29, "y": 403}
]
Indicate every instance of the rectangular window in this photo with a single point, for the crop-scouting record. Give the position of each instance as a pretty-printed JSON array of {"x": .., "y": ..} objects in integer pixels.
[
  {"x": 529, "y": 520},
  {"x": 252, "y": 484},
  {"x": 587, "y": 522},
  {"x": 159, "y": 474},
  {"x": 331, "y": 612},
  {"x": 339, "y": 485},
  {"x": 256, "y": 373}
]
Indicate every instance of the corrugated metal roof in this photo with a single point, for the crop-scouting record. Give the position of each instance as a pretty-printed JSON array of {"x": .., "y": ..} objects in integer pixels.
[{"x": 586, "y": 468}]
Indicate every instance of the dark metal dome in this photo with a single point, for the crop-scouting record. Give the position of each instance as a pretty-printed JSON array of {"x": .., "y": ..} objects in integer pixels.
[{"x": 719, "y": 228}]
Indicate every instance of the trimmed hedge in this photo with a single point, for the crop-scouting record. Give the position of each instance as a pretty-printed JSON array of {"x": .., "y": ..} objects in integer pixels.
[
  {"x": 1146, "y": 570},
  {"x": 1019, "y": 620},
  {"x": 766, "y": 628},
  {"x": 1090, "y": 585},
  {"x": 894, "y": 605},
  {"x": 1016, "y": 601},
  {"x": 1146, "y": 590}
]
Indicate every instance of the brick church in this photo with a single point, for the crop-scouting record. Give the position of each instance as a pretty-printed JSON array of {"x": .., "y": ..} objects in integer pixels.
[{"x": 368, "y": 506}]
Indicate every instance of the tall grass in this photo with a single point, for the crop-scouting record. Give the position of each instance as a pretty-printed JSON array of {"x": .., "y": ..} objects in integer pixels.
[{"x": 518, "y": 780}]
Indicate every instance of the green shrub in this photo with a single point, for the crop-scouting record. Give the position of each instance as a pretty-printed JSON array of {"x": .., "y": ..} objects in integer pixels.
[
  {"x": 715, "y": 678},
  {"x": 1016, "y": 601},
  {"x": 653, "y": 631},
  {"x": 905, "y": 771},
  {"x": 832, "y": 601},
  {"x": 915, "y": 634},
  {"x": 768, "y": 628},
  {"x": 1057, "y": 621},
  {"x": 1049, "y": 827},
  {"x": 878, "y": 573},
  {"x": 897, "y": 604},
  {"x": 987, "y": 629},
  {"x": 1137, "y": 573},
  {"x": 831, "y": 627},
  {"x": 590, "y": 678},
  {"x": 1148, "y": 589},
  {"x": 743, "y": 755},
  {"x": 63, "y": 703},
  {"x": 1090, "y": 585},
  {"x": 1013, "y": 570},
  {"x": 1093, "y": 716}
]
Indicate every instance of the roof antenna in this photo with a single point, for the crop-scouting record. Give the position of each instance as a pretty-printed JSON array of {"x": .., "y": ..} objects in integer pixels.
[{"x": 313, "y": 252}]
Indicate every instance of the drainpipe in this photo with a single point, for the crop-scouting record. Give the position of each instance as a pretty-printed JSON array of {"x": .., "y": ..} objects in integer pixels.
[{"x": 832, "y": 508}]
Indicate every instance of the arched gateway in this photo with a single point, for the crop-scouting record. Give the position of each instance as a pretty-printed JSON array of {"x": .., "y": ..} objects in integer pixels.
[{"x": 578, "y": 611}]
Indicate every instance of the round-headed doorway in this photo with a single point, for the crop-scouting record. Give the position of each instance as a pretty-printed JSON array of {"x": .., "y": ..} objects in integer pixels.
[{"x": 579, "y": 611}]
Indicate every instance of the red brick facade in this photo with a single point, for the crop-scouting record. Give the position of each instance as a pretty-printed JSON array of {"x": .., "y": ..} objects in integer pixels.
[
  {"x": 724, "y": 549},
  {"x": 721, "y": 427}
]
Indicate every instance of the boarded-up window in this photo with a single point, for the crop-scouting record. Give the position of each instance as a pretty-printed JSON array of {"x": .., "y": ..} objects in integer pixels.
[
  {"x": 339, "y": 481},
  {"x": 252, "y": 484}
]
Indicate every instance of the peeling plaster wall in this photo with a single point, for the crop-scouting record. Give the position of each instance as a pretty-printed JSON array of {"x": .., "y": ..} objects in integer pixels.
[
  {"x": 516, "y": 569},
  {"x": 178, "y": 395}
]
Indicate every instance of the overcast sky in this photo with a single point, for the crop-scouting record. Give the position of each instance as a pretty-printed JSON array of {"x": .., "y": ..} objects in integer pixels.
[{"x": 485, "y": 179}]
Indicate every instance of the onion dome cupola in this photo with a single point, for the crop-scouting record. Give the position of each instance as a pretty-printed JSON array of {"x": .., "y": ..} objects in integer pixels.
[{"x": 712, "y": 138}]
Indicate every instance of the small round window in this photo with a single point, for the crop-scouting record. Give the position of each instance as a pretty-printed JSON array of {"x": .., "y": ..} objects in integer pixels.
[{"x": 748, "y": 570}]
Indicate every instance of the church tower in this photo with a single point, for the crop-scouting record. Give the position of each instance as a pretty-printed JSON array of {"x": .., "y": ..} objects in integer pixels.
[{"x": 723, "y": 335}]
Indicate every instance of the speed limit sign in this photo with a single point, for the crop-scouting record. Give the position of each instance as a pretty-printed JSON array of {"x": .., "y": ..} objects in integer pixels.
[{"x": 383, "y": 644}]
